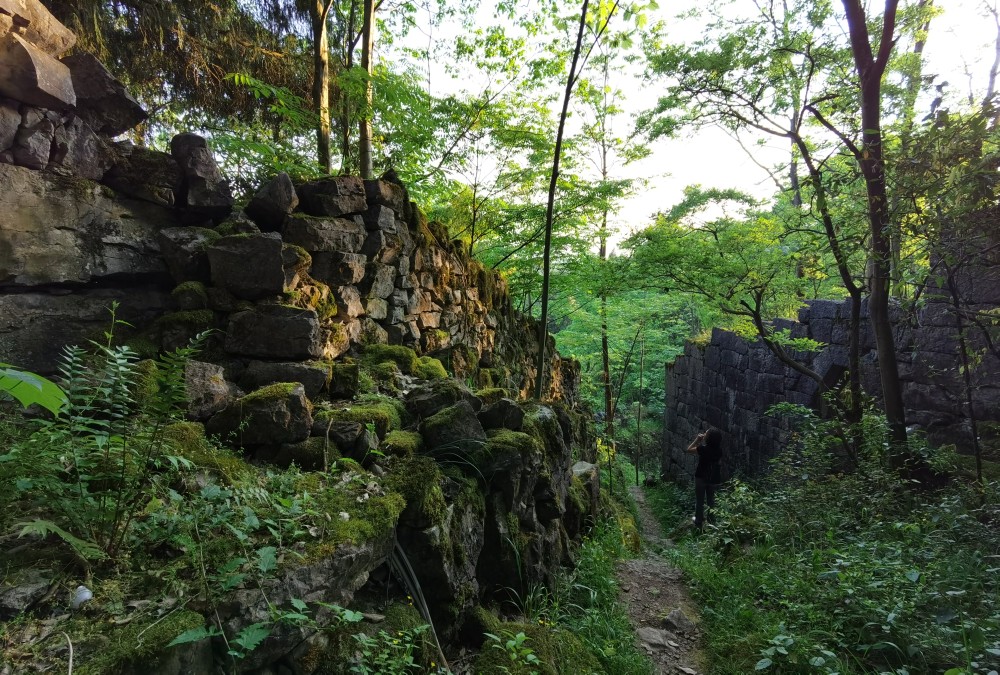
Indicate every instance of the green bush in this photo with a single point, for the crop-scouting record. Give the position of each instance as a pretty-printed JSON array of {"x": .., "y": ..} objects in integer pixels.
[{"x": 813, "y": 570}]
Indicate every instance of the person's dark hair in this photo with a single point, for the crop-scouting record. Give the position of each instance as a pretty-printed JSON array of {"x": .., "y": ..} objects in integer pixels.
[{"x": 713, "y": 438}]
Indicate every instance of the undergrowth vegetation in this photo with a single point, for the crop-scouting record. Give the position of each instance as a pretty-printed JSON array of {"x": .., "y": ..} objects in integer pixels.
[{"x": 817, "y": 570}]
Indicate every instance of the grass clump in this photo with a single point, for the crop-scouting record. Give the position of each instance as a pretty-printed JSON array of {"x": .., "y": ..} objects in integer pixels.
[{"x": 815, "y": 570}]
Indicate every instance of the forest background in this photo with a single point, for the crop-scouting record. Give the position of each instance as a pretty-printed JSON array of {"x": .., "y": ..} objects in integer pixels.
[{"x": 708, "y": 175}]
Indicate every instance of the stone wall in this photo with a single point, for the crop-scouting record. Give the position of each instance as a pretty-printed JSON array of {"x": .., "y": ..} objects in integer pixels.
[
  {"x": 305, "y": 272},
  {"x": 731, "y": 382}
]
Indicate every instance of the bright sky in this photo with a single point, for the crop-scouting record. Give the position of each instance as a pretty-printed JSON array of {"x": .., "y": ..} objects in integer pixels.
[
  {"x": 961, "y": 41},
  {"x": 959, "y": 50}
]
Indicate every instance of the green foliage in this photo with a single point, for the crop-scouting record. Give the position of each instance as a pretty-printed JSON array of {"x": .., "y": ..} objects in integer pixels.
[
  {"x": 393, "y": 654},
  {"x": 809, "y": 570},
  {"x": 31, "y": 389}
]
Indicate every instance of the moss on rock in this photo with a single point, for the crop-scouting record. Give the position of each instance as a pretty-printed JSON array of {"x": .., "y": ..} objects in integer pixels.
[
  {"x": 429, "y": 368},
  {"x": 418, "y": 480},
  {"x": 559, "y": 651},
  {"x": 187, "y": 440},
  {"x": 385, "y": 415},
  {"x": 138, "y": 642},
  {"x": 404, "y": 357},
  {"x": 402, "y": 443},
  {"x": 491, "y": 395},
  {"x": 190, "y": 295}
]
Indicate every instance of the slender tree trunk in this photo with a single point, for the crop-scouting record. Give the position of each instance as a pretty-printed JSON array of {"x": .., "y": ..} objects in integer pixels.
[
  {"x": 345, "y": 101},
  {"x": 319, "y": 11},
  {"x": 365, "y": 131},
  {"x": 547, "y": 254},
  {"x": 870, "y": 70}
]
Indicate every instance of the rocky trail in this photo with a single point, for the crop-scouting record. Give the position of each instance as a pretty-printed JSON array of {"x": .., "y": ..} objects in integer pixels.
[{"x": 657, "y": 602}]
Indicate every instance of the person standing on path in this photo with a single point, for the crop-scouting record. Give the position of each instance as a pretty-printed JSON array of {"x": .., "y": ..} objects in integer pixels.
[{"x": 708, "y": 473}]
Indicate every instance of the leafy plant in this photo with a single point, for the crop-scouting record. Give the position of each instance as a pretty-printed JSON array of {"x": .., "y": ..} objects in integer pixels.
[
  {"x": 388, "y": 654},
  {"x": 31, "y": 389},
  {"x": 516, "y": 649}
]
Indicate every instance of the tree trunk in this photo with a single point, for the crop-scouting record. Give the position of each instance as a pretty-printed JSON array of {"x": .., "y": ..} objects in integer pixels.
[
  {"x": 547, "y": 255},
  {"x": 319, "y": 10},
  {"x": 870, "y": 70},
  {"x": 365, "y": 130}
]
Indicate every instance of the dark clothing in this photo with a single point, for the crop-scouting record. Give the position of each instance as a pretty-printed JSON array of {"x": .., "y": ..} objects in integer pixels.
[
  {"x": 703, "y": 491},
  {"x": 708, "y": 463}
]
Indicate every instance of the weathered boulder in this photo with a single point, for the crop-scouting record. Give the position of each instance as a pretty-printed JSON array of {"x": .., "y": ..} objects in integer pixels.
[
  {"x": 58, "y": 230},
  {"x": 351, "y": 439},
  {"x": 455, "y": 426},
  {"x": 144, "y": 174},
  {"x": 275, "y": 332},
  {"x": 247, "y": 265},
  {"x": 204, "y": 189},
  {"x": 32, "y": 76},
  {"x": 334, "y": 196},
  {"x": 345, "y": 235},
  {"x": 77, "y": 151},
  {"x": 338, "y": 269},
  {"x": 313, "y": 375},
  {"x": 504, "y": 414},
  {"x": 277, "y": 414},
  {"x": 429, "y": 398},
  {"x": 185, "y": 251},
  {"x": 101, "y": 100},
  {"x": 33, "y": 141},
  {"x": 273, "y": 202},
  {"x": 207, "y": 390}
]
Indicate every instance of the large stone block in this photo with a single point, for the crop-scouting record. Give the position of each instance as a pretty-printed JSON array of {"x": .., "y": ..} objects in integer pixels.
[
  {"x": 248, "y": 266},
  {"x": 338, "y": 269},
  {"x": 275, "y": 332},
  {"x": 344, "y": 235},
  {"x": 185, "y": 251},
  {"x": 77, "y": 151},
  {"x": 145, "y": 174},
  {"x": 101, "y": 100},
  {"x": 32, "y": 76},
  {"x": 273, "y": 415},
  {"x": 204, "y": 190},
  {"x": 314, "y": 376},
  {"x": 273, "y": 202},
  {"x": 33, "y": 142},
  {"x": 334, "y": 197},
  {"x": 57, "y": 230}
]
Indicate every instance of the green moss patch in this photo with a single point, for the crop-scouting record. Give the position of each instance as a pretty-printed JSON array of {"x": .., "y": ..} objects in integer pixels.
[
  {"x": 429, "y": 368},
  {"x": 418, "y": 480},
  {"x": 187, "y": 440},
  {"x": 386, "y": 416},
  {"x": 404, "y": 357},
  {"x": 559, "y": 651},
  {"x": 272, "y": 391},
  {"x": 201, "y": 319},
  {"x": 138, "y": 643},
  {"x": 492, "y": 394},
  {"x": 402, "y": 443}
]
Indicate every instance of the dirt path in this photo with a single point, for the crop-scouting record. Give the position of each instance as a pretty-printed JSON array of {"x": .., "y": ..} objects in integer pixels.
[{"x": 657, "y": 602}]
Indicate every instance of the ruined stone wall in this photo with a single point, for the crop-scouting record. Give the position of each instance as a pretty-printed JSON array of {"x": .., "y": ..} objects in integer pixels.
[
  {"x": 731, "y": 382},
  {"x": 305, "y": 272}
]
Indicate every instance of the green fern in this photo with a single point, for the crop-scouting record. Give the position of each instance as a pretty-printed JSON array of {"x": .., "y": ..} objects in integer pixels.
[{"x": 42, "y": 528}]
